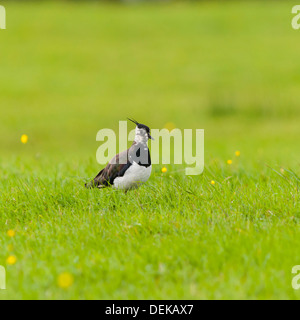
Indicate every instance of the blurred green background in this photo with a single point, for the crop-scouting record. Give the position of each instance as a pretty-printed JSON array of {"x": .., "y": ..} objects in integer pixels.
[{"x": 69, "y": 69}]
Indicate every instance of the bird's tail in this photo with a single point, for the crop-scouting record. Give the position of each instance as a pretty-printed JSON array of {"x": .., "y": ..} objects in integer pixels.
[{"x": 90, "y": 184}]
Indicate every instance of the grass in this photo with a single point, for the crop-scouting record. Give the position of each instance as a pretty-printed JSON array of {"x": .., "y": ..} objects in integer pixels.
[{"x": 68, "y": 70}]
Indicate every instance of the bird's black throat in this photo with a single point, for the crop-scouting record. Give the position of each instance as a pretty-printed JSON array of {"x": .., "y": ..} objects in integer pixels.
[{"x": 140, "y": 154}]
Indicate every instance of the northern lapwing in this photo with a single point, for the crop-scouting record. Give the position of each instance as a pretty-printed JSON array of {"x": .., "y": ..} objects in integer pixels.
[{"x": 128, "y": 169}]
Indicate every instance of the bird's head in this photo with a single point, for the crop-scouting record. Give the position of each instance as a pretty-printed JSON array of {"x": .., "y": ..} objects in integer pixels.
[{"x": 142, "y": 132}]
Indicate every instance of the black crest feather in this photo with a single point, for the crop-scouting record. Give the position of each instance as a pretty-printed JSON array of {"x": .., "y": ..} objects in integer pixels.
[{"x": 134, "y": 121}]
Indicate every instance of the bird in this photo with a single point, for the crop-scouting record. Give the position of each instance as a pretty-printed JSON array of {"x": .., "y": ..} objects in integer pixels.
[{"x": 130, "y": 168}]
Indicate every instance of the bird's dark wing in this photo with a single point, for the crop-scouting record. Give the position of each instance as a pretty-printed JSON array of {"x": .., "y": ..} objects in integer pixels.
[
  {"x": 115, "y": 168},
  {"x": 118, "y": 165}
]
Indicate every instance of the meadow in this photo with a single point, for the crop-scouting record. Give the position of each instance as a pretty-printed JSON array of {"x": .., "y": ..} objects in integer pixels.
[{"x": 70, "y": 69}]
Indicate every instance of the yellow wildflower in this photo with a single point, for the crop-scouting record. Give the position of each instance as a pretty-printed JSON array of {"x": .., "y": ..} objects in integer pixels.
[
  {"x": 65, "y": 280},
  {"x": 170, "y": 126},
  {"x": 24, "y": 138},
  {"x": 11, "y": 233},
  {"x": 11, "y": 260}
]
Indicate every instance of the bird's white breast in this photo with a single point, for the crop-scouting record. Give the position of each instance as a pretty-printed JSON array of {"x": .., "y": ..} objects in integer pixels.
[{"x": 133, "y": 177}]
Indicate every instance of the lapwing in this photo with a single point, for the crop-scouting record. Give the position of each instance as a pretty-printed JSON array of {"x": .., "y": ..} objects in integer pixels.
[{"x": 128, "y": 169}]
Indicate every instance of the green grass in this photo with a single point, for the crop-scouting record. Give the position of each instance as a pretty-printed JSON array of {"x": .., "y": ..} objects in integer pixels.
[{"x": 68, "y": 70}]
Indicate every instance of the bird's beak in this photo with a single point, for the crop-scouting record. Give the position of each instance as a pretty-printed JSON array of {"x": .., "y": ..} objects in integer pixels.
[{"x": 150, "y": 137}]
